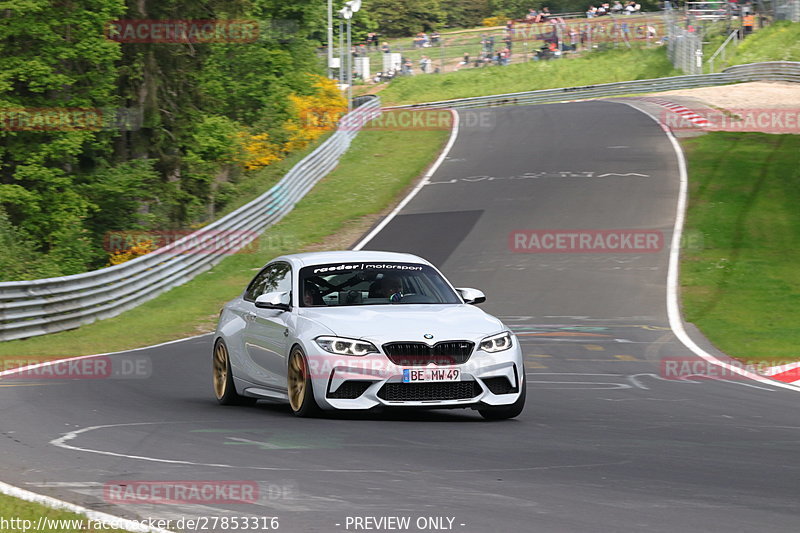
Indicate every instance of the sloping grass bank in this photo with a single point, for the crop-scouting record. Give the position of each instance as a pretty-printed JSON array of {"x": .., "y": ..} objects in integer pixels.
[
  {"x": 378, "y": 167},
  {"x": 742, "y": 288},
  {"x": 596, "y": 67},
  {"x": 779, "y": 42}
]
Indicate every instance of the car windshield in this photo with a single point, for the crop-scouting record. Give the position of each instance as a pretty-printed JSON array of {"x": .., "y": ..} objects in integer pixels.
[{"x": 346, "y": 284}]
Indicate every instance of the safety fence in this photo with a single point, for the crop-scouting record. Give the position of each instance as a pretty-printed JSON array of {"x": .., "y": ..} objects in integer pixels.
[
  {"x": 787, "y": 10},
  {"x": 525, "y": 41},
  {"x": 38, "y": 307},
  {"x": 684, "y": 44}
]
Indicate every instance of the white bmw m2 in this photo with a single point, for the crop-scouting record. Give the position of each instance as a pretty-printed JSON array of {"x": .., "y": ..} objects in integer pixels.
[{"x": 360, "y": 330}]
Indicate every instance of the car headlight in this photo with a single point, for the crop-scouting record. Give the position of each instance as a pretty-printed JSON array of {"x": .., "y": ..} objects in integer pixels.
[
  {"x": 342, "y": 346},
  {"x": 496, "y": 343}
]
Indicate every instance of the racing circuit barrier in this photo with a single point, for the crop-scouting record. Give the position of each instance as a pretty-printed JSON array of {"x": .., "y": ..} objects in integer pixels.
[
  {"x": 769, "y": 71},
  {"x": 38, "y": 307}
]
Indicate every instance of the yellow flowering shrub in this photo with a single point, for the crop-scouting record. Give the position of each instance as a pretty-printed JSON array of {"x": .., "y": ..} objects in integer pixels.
[
  {"x": 314, "y": 114},
  {"x": 257, "y": 151},
  {"x": 132, "y": 252},
  {"x": 494, "y": 21}
]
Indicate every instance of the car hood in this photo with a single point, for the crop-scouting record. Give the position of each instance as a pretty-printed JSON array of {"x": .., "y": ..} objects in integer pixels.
[{"x": 409, "y": 322}]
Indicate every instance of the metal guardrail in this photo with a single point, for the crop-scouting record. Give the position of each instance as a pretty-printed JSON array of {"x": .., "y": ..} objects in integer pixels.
[
  {"x": 30, "y": 308},
  {"x": 38, "y": 307},
  {"x": 769, "y": 71}
]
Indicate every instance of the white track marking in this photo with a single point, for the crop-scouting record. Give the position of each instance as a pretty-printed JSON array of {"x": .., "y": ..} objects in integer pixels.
[
  {"x": 54, "y": 503},
  {"x": 673, "y": 308},
  {"x": 425, "y": 180},
  {"x": 61, "y": 443},
  {"x": 95, "y": 516}
]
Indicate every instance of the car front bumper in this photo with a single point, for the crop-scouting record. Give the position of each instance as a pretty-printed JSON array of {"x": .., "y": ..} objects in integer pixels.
[{"x": 356, "y": 383}]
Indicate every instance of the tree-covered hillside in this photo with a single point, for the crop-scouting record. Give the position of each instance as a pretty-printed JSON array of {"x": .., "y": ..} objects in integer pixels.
[{"x": 102, "y": 134}]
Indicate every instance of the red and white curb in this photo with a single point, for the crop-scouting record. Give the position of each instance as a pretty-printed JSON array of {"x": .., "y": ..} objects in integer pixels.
[
  {"x": 789, "y": 373},
  {"x": 685, "y": 113}
]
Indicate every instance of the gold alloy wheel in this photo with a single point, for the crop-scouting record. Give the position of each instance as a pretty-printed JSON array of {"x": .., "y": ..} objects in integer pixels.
[
  {"x": 297, "y": 380},
  {"x": 220, "y": 370}
]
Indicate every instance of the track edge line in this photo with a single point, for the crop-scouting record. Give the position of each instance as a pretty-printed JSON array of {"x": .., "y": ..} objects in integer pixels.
[{"x": 674, "y": 315}]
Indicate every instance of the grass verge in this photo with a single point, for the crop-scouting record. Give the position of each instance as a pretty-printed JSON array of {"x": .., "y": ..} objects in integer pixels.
[
  {"x": 778, "y": 42},
  {"x": 597, "y": 67},
  {"x": 378, "y": 167},
  {"x": 742, "y": 286},
  {"x": 25, "y": 516}
]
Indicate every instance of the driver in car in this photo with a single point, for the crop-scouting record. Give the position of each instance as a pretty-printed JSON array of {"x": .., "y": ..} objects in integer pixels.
[{"x": 392, "y": 288}]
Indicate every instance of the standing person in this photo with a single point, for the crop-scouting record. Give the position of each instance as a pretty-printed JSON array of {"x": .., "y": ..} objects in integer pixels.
[
  {"x": 424, "y": 64},
  {"x": 748, "y": 22},
  {"x": 385, "y": 48},
  {"x": 508, "y": 41},
  {"x": 408, "y": 67},
  {"x": 543, "y": 15}
]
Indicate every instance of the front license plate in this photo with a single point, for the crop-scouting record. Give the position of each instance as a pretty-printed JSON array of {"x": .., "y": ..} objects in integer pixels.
[{"x": 419, "y": 375}]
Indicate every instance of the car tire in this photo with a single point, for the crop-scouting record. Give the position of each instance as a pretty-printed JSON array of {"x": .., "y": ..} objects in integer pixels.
[
  {"x": 224, "y": 389},
  {"x": 504, "y": 412},
  {"x": 299, "y": 386}
]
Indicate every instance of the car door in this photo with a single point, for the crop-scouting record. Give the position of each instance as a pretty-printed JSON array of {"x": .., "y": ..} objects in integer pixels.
[{"x": 267, "y": 330}]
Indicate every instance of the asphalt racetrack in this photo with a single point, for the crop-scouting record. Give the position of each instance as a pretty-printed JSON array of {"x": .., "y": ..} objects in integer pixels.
[{"x": 608, "y": 442}]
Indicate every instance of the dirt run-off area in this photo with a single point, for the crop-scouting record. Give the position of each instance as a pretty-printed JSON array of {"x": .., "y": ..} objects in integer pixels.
[{"x": 753, "y": 95}]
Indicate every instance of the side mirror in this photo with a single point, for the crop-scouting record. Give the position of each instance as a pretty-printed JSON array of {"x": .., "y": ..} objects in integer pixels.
[
  {"x": 471, "y": 296},
  {"x": 274, "y": 300}
]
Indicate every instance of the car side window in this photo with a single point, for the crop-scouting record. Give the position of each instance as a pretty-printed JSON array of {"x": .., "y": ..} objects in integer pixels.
[{"x": 276, "y": 277}]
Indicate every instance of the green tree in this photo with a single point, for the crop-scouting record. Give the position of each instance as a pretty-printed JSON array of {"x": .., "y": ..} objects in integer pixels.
[
  {"x": 465, "y": 13},
  {"x": 52, "y": 57},
  {"x": 63, "y": 188},
  {"x": 401, "y": 18}
]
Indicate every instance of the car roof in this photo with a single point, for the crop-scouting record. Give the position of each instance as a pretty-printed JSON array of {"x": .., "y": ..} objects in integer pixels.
[{"x": 321, "y": 258}]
